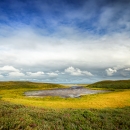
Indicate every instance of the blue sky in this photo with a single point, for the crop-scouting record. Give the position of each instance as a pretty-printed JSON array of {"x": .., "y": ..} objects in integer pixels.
[{"x": 67, "y": 41}]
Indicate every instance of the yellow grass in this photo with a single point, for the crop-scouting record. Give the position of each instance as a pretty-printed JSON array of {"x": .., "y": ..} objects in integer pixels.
[{"x": 106, "y": 100}]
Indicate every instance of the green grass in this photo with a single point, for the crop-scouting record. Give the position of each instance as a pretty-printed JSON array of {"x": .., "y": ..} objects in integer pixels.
[
  {"x": 119, "y": 84},
  {"x": 14, "y": 117}
]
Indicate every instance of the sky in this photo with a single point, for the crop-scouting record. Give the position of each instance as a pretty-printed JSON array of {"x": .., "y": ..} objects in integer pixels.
[{"x": 64, "y": 41}]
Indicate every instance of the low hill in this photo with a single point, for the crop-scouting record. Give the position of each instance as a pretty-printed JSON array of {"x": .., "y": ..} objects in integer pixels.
[
  {"x": 119, "y": 84},
  {"x": 27, "y": 85}
]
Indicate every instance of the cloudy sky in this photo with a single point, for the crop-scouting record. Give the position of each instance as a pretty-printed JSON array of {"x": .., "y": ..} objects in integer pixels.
[{"x": 64, "y": 41}]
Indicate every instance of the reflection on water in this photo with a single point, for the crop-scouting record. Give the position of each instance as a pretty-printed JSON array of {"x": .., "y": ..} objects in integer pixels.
[{"x": 73, "y": 92}]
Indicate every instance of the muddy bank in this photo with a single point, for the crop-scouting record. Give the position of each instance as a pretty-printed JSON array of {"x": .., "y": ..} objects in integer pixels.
[{"x": 73, "y": 92}]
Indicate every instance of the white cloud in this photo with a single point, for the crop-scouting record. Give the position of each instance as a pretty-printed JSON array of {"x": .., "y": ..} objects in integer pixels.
[
  {"x": 11, "y": 71},
  {"x": 73, "y": 71},
  {"x": 16, "y": 74},
  {"x": 1, "y": 76},
  {"x": 8, "y": 68},
  {"x": 110, "y": 71},
  {"x": 77, "y": 71},
  {"x": 87, "y": 73},
  {"x": 57, "y": 71},
  {"x": 26, "y": 47},
  {"x": 128, "y": 69},
  {"x": 36, "y": 74},
  {"x": 52, "y": 74}
]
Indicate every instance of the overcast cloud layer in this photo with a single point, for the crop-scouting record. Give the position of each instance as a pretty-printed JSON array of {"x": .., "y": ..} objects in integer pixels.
[{"x": 64, "y": 41}]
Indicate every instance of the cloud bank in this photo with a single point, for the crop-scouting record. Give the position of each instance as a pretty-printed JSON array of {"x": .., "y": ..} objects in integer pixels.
[{"x": 64, "y": 41}]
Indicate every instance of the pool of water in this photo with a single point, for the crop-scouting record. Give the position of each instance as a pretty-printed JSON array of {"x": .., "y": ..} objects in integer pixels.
[{"x": 73, "y": 92}]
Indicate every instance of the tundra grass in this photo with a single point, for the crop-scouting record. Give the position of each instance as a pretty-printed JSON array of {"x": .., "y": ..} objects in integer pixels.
[
  {"x": 14, "y": 92},
  {"x": 106, "y": 111}
]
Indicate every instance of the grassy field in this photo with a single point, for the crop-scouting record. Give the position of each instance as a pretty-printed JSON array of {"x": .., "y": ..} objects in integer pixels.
[
  {"x": 14, "y": 92},
  {"x": 19, "y": 117},
  {"x": 106, "y": 111}
]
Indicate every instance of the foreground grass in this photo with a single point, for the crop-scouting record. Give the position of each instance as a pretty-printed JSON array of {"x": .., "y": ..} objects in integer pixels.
[
  {"x": 14, "y": 117},
  {"x": 14, "y": 92},
  {"x": 106, "y": 111}
]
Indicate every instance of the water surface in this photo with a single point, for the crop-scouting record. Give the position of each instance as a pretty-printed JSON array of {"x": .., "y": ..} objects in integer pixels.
[{"x": 73, "y": 92}]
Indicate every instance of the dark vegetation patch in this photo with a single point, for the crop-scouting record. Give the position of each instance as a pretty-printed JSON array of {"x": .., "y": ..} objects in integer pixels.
[
  {"x": 16, "y": 117},
  {"x": 119, "y": 84}
]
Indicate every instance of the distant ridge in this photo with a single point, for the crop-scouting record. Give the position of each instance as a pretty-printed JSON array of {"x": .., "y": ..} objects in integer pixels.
[
  {"x": 111, "y": 84},
  {"x": 27, "y": 84}
]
